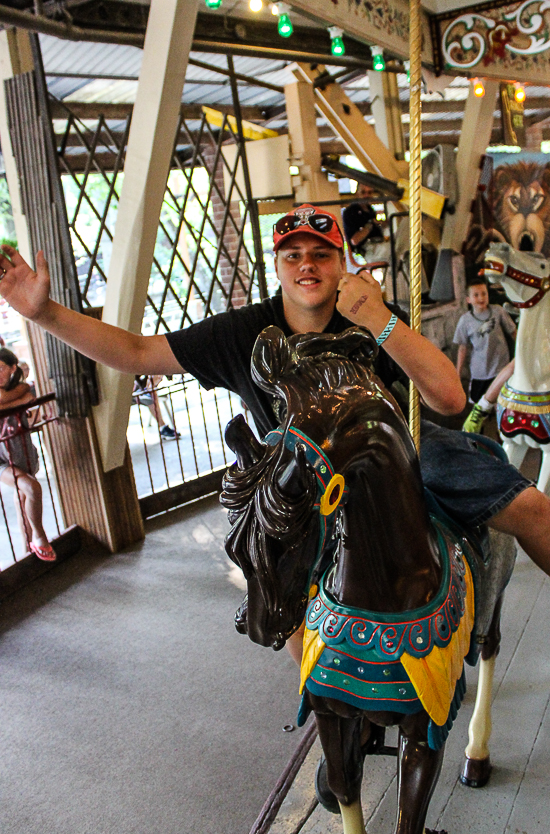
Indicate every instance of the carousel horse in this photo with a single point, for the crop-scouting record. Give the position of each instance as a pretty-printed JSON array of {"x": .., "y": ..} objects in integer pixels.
[
  {"x": 329, "y": 520},
  {"x": 523, "y": 409}
]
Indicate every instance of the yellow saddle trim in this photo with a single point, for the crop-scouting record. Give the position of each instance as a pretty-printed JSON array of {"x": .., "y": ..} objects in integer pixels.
[
  {"x": 313, "y": 648},
  {"x": 434, "y": 677}
]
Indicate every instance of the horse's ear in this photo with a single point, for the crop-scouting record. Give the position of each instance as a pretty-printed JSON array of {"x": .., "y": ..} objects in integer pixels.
[
  {"x": 271, "y": 358},
  {"x": 361, "y": 344},
  {"x": 242, "y": 441},
  {"x": 293, "y": 480}
]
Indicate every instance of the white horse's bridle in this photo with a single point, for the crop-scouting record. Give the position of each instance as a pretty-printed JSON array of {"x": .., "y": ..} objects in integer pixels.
[
  {"x": 540, "y": 284},
  {"x": 498, "y": 263}
]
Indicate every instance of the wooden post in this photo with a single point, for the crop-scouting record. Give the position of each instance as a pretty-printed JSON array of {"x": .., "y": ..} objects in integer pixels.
[
  {"x": 150, "y": 145},
  {"x": 347, "y": 121},
  {"x": 386, "y": 109},
  {"x": 311, "y": 184},
  {"x": 104, "y": 505},
  {"x": 474, "y": 139},
  {"x": 15, "y": 58}
]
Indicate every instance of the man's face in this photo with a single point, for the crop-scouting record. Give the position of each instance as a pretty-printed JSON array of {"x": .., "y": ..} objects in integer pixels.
[
  {"x": 364, "y": 192},
  {"x": 478, "y": 297},
  {"x": 309, "y": 271}
]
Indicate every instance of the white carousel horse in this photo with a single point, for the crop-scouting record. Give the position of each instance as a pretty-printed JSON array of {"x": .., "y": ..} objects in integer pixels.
[{"x": 523, "y": 410}]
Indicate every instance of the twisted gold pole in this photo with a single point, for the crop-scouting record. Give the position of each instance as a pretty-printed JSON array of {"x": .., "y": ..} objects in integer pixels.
[{"x": 415, "y": 186}]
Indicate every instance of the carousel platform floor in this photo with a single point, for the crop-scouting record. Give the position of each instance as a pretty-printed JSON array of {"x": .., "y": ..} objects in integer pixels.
[{"x": 129, "y": 704}]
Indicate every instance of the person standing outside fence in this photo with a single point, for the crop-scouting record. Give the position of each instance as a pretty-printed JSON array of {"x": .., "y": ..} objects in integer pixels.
[{"x": 19, "y": 458}]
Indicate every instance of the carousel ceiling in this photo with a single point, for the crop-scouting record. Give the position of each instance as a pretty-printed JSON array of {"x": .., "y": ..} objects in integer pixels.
[{"x": 99, "y": 71}]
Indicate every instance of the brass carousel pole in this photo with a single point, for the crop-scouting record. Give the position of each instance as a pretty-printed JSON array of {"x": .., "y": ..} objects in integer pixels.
[{"x": 415, "y": 185}]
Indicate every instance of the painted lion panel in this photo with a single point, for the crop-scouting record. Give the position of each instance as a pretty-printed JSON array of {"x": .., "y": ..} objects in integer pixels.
[{"x": 520, "y": 199}]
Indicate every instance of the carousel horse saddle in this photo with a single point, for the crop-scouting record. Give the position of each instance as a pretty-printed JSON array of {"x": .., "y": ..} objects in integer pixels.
[
  {"x": 396, "y": 662},
  {"x": 524, "y": 412}
]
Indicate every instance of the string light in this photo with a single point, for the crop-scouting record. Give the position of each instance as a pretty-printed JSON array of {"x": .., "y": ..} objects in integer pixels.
[
  {"x": 378, "y": 62},
  {"x": 284, "y": 26},
  {"x": 519, "y": 92},
  {"x": 213, "y": 4},
  {"x": 479, "y": 89},
  {"x": 256, "y": 5},
  {"x": 336, "y": 40}
]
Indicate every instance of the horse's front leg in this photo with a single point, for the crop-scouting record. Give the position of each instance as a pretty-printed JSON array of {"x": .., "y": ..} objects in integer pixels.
[
  {"x": 352, "y": 818},
  {"x": 477, "y": 766},
  {"x": 418, "y": 772},
  {"x": 515, "y": 451},
  {"x": 341, "y": 741}
]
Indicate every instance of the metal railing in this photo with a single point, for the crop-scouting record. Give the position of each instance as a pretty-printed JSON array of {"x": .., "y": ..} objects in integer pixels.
[
  {"x": 175, "y": 434},
  {"x": 18, "y": 425}
]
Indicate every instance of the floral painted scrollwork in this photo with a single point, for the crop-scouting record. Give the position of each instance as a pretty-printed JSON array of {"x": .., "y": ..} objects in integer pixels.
[
  {"x": 519, "y": 29},
  {"x": 531, "y": 21},
  {"x": 462, "y": 45}
]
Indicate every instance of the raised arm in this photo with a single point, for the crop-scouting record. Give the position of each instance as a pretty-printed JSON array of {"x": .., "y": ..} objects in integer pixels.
[
  {"x": 28, "y": 292},
  {"x": 16, "y": 396},
  {"x": 434, "y": 375}
]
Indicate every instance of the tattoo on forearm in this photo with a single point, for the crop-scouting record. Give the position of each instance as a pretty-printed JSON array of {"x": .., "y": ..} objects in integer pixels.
[{"x": 358, "y": 303}]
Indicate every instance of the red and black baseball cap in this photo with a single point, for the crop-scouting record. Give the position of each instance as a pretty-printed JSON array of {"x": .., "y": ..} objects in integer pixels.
[{"x": 309, "y": 219}]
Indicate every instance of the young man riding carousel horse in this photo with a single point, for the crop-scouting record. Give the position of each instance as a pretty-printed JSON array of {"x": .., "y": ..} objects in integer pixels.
[{"x": 317, "y": 295}]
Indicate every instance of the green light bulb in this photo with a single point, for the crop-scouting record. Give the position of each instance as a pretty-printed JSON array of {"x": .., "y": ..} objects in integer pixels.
[
  {"x": 337, "y": 46},
  {"x": 285, "y": 26},
  {"x": 213, "y": 4},
  {"x": 378, "y": 63}
]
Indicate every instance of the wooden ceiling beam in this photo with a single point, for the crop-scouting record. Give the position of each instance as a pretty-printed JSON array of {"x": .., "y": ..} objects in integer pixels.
[
  {"x": 121, "y": 111},
  {"x": 92, "y": 110}
]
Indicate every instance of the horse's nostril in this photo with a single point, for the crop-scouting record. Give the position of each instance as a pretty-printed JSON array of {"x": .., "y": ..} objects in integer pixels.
[{"x": 279, "y": 642}]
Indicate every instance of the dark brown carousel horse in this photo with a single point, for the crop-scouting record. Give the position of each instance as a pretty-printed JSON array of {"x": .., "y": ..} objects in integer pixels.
[{"x": 329, "y": 521}]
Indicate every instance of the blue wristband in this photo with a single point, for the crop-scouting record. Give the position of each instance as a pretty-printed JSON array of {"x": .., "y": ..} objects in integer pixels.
[{"x": 387, "y": 330}]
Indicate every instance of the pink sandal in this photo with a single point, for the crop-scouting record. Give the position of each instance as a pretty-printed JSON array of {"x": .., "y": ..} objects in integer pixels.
[{"x": 44, "y": 552}]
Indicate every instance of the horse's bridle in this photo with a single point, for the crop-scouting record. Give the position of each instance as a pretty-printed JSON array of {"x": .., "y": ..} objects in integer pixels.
[
  {"x": 331, "y": 487},
  {"x": 541, "y": 284}
]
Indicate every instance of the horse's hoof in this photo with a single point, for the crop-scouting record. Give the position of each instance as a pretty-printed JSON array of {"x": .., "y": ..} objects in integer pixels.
[
  {"x": 476, "y": 772},
  {"x": 324, "y": 794}
]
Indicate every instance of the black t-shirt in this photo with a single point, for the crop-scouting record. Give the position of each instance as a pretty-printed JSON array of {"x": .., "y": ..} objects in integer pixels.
[
  {"x": 354, "y": 217},
  {"x": 218, "y": 350}
]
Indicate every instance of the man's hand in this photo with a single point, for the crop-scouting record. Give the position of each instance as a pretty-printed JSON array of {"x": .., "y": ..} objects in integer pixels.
[
  {"x": 360, "y": 300},
  {"x": 26, "y": 291}
]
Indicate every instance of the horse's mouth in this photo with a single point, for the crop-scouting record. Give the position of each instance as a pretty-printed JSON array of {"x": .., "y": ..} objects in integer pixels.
[
  {"x": 265, "y": 629},
  {"x": 282, "y": 637}
]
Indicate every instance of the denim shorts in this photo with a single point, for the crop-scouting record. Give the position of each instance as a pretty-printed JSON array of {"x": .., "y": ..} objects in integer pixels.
[{"x": 470, "y": 485}]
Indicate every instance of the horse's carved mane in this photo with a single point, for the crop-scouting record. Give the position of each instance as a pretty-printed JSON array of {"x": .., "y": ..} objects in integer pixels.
[
  {"x": 258, "y": 512},
  {"x": 300, "y": 369}
]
